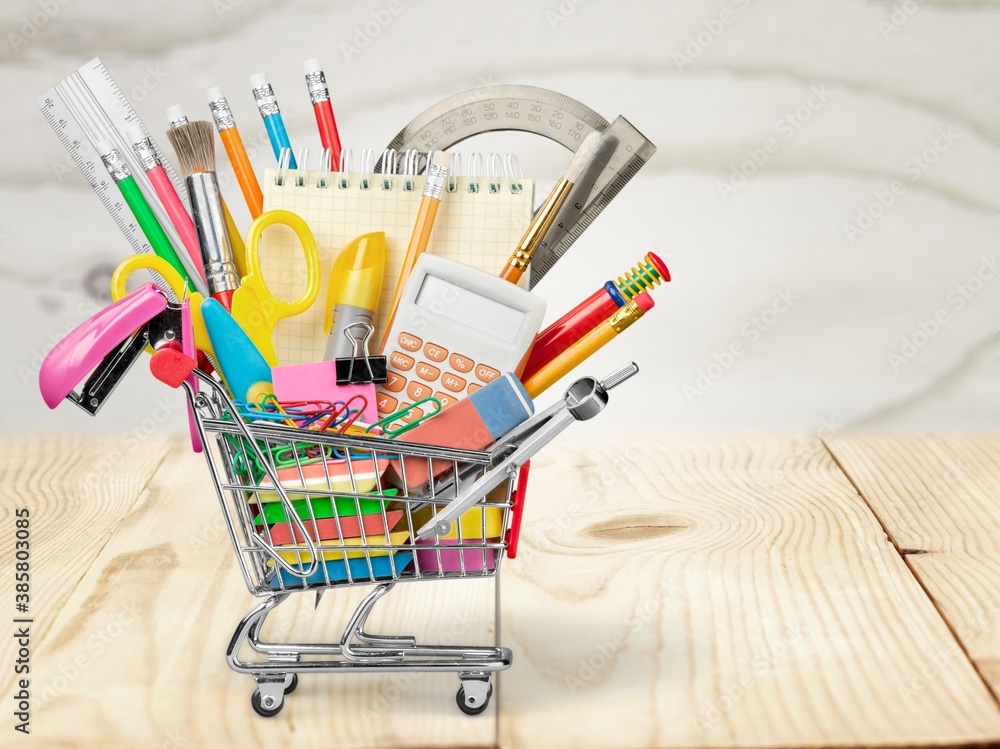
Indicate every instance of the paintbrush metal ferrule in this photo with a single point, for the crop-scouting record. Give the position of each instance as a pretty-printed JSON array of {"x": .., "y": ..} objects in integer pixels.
[
  {"x": 521, "y": 256},
  {"x": 209, "y": 220},
  {"x": 222, "y": 114},
  {"x": 116, "y": 165}
]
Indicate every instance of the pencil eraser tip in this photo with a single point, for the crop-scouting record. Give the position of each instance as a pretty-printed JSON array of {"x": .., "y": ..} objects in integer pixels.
[
  {"x": 644, "y": 301},
  {"x": 135, "y": 133},
  {"x": 659, "y": 265},
  {"x": 214, "y": 94},
  {"x": 257, "y": 80},
  {"x": 175, "y": 112},
  {"x": 311, "y": 65},
  {"x": 103, "y": 146}
]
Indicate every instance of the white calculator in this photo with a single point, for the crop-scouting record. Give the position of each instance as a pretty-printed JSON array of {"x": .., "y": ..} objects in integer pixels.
[{"x": 457, "y": 328}]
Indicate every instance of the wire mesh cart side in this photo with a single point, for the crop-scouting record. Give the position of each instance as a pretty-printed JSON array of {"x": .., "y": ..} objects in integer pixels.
[{"x": 312, "y": 510}]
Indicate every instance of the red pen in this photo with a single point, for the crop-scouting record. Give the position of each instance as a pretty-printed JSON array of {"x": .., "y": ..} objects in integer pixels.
[
  {"x": 320, "y": 96},
  {"x": 592, "y": 311}
]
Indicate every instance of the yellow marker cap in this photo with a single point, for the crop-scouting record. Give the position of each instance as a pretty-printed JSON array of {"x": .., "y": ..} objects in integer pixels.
[{"x": 356, "y": 279}]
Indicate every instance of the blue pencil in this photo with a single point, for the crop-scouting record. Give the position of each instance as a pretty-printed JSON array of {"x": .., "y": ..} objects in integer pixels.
[{"x": 267, "y": 104}]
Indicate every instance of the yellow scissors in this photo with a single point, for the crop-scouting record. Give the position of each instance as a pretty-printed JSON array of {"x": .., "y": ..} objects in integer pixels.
[
  {"x": 177, "y": 284},
  {"x": 255, "y": 308}
]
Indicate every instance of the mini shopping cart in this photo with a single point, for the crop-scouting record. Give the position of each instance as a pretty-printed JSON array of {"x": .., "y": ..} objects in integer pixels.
[{"x": 286, "y": 491}]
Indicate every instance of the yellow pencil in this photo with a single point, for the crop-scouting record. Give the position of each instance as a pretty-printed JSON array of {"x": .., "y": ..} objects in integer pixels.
[
  {"x": 438, "y": 164},
  {"x": 561, "y": 365}
]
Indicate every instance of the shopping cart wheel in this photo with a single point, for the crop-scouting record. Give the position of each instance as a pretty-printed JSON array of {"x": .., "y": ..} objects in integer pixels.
[
  {"x": 291, "y": 681},
  {"x": 474, "y": 701},
  {"x": 268, "y": 704}
]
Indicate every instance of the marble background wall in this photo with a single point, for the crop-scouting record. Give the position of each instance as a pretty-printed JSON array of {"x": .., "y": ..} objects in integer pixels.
[{"x": 883, "y": 318}]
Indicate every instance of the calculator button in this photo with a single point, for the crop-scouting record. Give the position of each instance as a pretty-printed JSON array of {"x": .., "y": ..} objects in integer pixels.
[
  {"x": 446, "y": 400},
  {"x": 412, "y": 414},
  {"x": 409, "y": 342},
  {"x": 473, "y": 387},
  {"x": 418, "y": 390},
  {"x": 453, "y": 382},
  {"x": 426, "y": 372},
  {"x": 386, "y": 403},
  {"x": 462, "y": 363},
  {"x": 435, "y": 352},
  {"x": 486, "y": 374},
  {"x": 394, "y": 382},
  {"x": 400, "y": 361}
]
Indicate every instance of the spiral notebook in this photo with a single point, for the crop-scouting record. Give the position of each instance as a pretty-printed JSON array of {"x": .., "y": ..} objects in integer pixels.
[{"x": 479, "y": 222}]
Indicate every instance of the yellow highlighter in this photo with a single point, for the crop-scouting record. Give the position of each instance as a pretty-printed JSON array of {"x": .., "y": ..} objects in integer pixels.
[{"x": 355, "y": 285}]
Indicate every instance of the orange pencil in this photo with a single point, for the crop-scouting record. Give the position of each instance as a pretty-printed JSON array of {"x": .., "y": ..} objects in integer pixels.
[
  {"x": 233, "y": 143},
  {"x": 438, "y": 164}
]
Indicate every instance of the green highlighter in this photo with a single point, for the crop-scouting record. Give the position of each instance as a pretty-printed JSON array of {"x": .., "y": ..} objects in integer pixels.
[{"x": 144, "y": 216}]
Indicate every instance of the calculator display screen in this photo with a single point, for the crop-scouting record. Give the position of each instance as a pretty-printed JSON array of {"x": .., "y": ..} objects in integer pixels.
[{"x": 461, "y": 305}]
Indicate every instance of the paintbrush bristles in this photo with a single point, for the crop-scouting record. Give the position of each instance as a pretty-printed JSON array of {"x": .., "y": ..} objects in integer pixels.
[{"x": 194, "y": 143}]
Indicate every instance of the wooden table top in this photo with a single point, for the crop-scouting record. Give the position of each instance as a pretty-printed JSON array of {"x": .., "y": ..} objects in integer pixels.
[{"x": 669, "y": 592}]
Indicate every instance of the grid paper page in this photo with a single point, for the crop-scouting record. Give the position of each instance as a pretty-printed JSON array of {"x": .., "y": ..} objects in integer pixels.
[{"x": 476, "y": 228}]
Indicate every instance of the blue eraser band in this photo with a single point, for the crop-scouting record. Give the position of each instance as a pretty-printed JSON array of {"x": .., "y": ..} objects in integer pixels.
[{"x": 503, "y": 404}]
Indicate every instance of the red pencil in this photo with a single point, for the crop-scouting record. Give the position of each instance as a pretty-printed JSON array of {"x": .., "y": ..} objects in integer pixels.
[{"x": 320, "y": 96}]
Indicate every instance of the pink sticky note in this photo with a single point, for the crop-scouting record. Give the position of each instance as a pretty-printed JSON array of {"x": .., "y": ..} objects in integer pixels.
[{"x": 318, "y": 381}]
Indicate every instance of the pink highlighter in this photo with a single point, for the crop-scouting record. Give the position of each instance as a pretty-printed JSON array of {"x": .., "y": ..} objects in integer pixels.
[{"x": 145, "y": 151}]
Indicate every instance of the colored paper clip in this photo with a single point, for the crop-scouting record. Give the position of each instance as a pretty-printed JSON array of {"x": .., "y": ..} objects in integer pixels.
[{"x": 393, "y": 433}]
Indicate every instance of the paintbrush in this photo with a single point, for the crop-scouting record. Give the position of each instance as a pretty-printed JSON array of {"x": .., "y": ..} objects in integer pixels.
[
  {"x": 194, "y": 143},
  {"x": 540, "y": 224}
]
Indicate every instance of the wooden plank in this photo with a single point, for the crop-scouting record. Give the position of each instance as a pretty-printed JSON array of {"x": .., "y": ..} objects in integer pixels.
[
  {"x": 152, "y": 618},
  {"x": 719, "y": 592},
  {"x": 78, "y": 490},
  {"x": 937, "y": 498}
]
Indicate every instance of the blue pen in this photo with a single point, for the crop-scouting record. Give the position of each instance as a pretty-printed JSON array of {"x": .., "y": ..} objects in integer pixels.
[{"x": 263, "y": 94}]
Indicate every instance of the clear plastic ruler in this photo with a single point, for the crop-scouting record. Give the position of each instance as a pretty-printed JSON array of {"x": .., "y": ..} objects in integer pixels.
[{"x": 86, "y": 107}]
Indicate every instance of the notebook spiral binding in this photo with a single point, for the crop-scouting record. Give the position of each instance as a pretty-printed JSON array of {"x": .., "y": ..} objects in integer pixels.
[{"x": 497, "y": 171}]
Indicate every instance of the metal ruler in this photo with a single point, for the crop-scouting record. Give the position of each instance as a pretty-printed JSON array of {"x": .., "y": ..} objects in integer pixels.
[
  {"x": 548, "y": 113},
  {"x": 87, "y": 106}
]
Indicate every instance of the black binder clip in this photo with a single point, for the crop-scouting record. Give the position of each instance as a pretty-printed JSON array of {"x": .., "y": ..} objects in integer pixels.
[{"x": 361, "y": 368}]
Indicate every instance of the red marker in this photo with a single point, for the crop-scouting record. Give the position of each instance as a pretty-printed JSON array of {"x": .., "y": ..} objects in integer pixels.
[
  {"x": 593, "y": 311},
  {"x": 320, "y": 96}
]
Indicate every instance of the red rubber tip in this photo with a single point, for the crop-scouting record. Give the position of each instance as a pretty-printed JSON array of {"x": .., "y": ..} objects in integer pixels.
[
  {"x": 645, "y": 301},
  {"x": 225, "y": 298},
  {"x": 661, "y": 267},
  {"x": 171, "y": 366}
]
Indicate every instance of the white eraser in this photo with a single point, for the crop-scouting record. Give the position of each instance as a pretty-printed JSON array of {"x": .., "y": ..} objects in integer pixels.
[
  {"x": 440, "y": 158},
  {"x": 214, "y": 94},
  {"x": 312, "y": 65},
  {"x": 258, "y": 80},
  {"x": 103, "y": 146},
  {"x": 174, "y": 113},
  {"x": 135, "y": 133}
]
